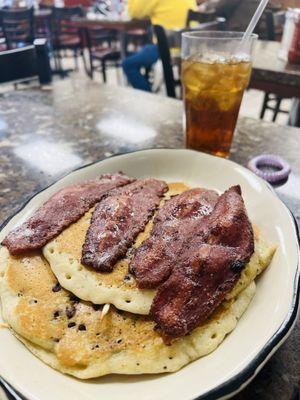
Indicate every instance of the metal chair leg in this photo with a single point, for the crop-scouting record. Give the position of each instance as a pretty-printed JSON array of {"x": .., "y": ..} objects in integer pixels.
[
  {"x": 119, "y": 74},
  {"x": 76, "y": 60},
  {"x": 277, "y": 108},
  {"x": 103, "y": 67},
  {"x": 92, "y": 70},
  {"x": 55, "y": 59},
  {"x": 264, "y": 106},
  {"x": 85, "y": 63},
  {"x": 59, "y": 60}
]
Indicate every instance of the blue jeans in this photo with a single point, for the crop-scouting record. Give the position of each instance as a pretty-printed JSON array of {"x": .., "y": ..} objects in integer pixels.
[{"x": 132, "y": 65}]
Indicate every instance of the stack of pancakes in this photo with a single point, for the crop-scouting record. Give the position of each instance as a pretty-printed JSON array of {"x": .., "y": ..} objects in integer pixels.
[{"x": 88, "y": 323}]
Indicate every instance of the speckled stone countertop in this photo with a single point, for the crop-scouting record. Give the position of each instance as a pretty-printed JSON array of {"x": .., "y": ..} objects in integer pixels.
[{"x": 46, "y": 133}]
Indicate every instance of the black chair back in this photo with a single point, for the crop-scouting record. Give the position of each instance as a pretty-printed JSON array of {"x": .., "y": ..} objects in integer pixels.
[
  {"x": 62, "y": 17},
  {"x": 98, "y": 36},
  {"x": 26, "y": 63},
  {"x": 274, "y": 24},
  {"x": 165, "y": 56},
  {"x": 43, "y": 23},
  {"x": 199, "y": 17},
  {"x": 218, "y": 24},
  {"x": 17, "y": 26}
]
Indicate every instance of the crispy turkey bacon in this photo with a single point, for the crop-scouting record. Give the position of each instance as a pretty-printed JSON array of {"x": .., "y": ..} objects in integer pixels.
[
  {"x": 209, "y": 267},
  {"x": 62, "y": 209},
  {"x": 174, "y": 225},
  {"x": 117, "y": 220}
]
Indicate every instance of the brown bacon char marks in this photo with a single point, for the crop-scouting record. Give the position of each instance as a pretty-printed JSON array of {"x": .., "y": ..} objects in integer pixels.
[
  {"x": 206, "y": 271},
  {"x": 60, "y": 211},
  {"x": 117, "y": 221},
  {"x": 174, "y": 225}
]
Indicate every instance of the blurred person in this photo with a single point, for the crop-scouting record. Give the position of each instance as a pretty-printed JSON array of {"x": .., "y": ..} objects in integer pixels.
[{"x": 171, "y": 14}]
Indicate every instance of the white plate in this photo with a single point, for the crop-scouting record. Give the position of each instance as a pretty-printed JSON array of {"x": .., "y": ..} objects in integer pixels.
[{"x": 263, "y": 328}]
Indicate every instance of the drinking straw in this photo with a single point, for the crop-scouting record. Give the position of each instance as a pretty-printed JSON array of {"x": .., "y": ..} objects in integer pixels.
[{"x": 253, "y": 22}]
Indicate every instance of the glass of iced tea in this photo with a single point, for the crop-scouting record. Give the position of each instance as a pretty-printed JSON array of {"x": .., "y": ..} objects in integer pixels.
[{"x": 216, "y": 70}]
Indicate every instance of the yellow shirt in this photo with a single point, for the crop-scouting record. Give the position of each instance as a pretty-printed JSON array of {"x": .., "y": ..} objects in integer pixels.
[{"x": 171, "y": 14}]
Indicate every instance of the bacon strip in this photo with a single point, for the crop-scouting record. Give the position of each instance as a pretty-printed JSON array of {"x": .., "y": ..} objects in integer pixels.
[
  {"x": 117, "y": 221},
  {"x": 61, "y": 210},
  {"x": 174, "y": 225},
  {"x": 209, "y": 267}
]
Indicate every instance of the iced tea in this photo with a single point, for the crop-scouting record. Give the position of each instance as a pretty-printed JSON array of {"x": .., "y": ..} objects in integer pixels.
[{"x": 213, "y": 92}]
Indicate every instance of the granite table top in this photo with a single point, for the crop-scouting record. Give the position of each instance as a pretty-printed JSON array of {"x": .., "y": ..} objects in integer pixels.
[{"x": 46, "y": 133}]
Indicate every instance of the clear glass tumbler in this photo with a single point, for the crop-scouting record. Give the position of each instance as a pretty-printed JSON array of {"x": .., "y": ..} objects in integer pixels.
[{"x": 216, "y": 69}]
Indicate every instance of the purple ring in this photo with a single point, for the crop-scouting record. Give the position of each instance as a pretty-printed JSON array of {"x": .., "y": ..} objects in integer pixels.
[{"x": 269, "y": 160}]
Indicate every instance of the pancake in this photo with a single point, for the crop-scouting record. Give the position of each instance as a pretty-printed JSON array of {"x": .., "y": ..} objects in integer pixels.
[
  {"x": 70, "y": 335},
  {"x": 119, "y": 287}
]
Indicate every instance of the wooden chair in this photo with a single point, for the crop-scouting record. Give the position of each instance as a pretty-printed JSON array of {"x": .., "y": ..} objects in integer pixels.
[
  {"x": 103, "y": 50},
  {"x": 17, "y": 26},
  {"x": 66, "y": 36},
  {"x": 271, "y": 25},
  {"x": 43, "y": 24},
  {"x": 26, "y": 63},
  {"x": 274, "y": 22},
  {"x": 164, "y": 43}
]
